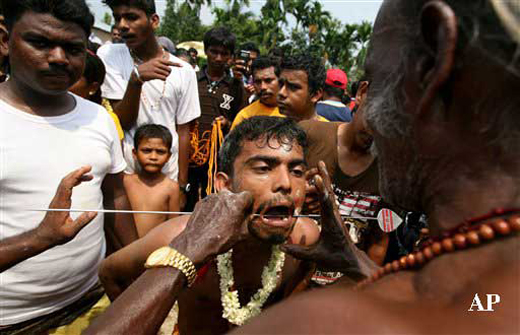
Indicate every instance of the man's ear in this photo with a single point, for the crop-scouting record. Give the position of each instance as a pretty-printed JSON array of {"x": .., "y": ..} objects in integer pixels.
[
  {"x": 317, "y": 96},
  {"x": 156, "y": 21},
  {"x": 93, "y": 88},
  {"x": 222, "y": 182},
  {"x": 361, "y": 93},
  {"x": 4, "y": 42},
  {"x": 439, "y": 34}
]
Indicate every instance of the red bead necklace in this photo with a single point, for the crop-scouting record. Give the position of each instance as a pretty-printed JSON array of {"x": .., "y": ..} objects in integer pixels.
[{"x": 472, "y": 232}]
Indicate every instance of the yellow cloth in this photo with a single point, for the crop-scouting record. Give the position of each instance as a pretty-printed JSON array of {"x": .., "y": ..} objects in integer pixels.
[
  {"x": 82, "y": 322},
  {"x": 321, "y": 118},
  {"x": 105, "y": 103},
  {"x": 118, "y": 125},
  {"x": 259, "y": 109},
  {"x": 255, "y": 109}
]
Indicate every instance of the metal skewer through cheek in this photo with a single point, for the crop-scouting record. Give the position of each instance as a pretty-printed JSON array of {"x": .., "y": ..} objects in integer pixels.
[{"x": 73, "y": 210}]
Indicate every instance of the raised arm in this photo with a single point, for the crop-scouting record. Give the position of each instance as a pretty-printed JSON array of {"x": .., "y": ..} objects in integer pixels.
[
  {"x": 217, "y": 224},
  {"x": 120, "y": 269},
  {"x": 334, "y": 251},
  {"x": 127, "y": 109},
  {"x": 55, "y": 229}
]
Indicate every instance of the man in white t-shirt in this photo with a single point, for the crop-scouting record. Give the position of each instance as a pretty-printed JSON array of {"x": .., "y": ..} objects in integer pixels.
[
  {"x": 48, "y": 263},
  {"x": 148, "y": 85}
]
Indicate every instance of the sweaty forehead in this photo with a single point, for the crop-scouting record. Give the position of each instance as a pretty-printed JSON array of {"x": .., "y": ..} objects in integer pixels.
[
  {"x": 50, "y": 27},
  {"x": 282, "y": 150}
]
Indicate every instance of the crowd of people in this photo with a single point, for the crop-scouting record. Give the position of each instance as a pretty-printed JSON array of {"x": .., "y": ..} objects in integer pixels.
[{"x": 258, "y": 193}]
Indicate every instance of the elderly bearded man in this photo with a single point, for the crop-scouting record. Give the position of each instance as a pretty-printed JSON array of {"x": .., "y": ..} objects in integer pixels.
[
  {"x": 264, "y": 156},
  {"x": 443, "y": 104}
]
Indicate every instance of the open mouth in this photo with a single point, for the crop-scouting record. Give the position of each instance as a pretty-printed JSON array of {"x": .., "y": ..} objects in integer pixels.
[{"x": 279, "y": 215}]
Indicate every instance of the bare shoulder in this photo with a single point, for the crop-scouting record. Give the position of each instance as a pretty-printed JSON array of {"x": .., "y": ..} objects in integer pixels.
[
  {"x": 306, "y": 232},
  {"x": 172, "y": 185},
  {"x": 129, "y": 179}
]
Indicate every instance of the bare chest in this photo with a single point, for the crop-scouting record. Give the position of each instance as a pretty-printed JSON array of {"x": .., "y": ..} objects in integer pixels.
[{"x": 200, "y": 308}]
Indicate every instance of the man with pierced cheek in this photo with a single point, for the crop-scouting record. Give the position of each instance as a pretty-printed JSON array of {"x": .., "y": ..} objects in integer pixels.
[{"x": 264, "y": 156}]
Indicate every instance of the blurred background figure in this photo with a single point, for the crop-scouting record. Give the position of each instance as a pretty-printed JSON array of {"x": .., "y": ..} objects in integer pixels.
[
  {"x": 115, "y": 33},
  {"x": 89, "y": 86},
  {"x": 194, "y": 54},
  {"x": 166, "y": 44},
  {"x": 332, "y": 107}
]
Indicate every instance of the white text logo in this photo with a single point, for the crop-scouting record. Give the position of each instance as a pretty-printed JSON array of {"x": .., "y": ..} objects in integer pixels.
[{"x": 492, "y": 299}]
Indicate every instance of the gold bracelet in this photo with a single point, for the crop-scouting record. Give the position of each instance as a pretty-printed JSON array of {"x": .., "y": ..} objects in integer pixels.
[{"x": 167, "y": 256}]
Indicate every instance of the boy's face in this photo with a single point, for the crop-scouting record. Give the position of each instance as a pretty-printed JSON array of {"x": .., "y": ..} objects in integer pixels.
[
  {"x": 152, "y": 154},
  {"x": 294, "y": 99},
  {"x": 135, "y": 26},
  {"x": 218, "y": 57}
]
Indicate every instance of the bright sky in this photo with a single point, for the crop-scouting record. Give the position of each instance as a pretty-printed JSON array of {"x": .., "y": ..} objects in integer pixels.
[{"x": 347, "y": 11}]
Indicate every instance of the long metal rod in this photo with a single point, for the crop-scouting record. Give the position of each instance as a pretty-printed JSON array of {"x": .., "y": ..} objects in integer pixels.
[{"x": 73, "y": 210}]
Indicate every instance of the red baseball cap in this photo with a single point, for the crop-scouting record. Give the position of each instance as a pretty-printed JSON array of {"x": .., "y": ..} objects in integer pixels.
[{"x": 336, "y": 78}]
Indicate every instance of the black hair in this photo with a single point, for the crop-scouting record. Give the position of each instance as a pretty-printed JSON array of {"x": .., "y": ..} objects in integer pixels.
[
  {"x": 75, "y": 11},
  {"x": 354, "y": 87},
  {"x": 220, "y": 36},
  {"x": 259, "y": 128},
  {"x": 262, "y": 63},
  {"x": 147, "y": 6},
  {"x": 313, "y": 66},
  {"x": 94, "y": 72},
  {"x": 333, "y": 91},
  {"x": 147, "y": 131},
  {"x": 193, "y": 50},
  {"x": 114, "y": 27},
  {"x": 250, "y": 46}
]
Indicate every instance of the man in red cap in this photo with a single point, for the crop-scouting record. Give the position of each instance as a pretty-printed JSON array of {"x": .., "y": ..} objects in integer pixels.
[{"x": 331, "y": 107}]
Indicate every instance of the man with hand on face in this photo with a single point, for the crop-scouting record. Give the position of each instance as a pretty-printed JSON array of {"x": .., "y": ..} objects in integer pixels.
[
  {"x": 263, "y": 158},
  {"x": 265, "y": 80},
  {"x": 148, "y": 85},
  {"x": 345, "y": 147},
  {"x": 301, "y": 87},
  {"x": 48, "y": 263},
  {"x": 443, "y": 106}
]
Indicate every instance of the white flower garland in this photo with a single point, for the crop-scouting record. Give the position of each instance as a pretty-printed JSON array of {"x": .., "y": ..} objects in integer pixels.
[{"x": 230, "y": 303}]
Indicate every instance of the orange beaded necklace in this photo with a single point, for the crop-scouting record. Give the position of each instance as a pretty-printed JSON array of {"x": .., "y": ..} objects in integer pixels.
[{"x": 472, "y": 232}]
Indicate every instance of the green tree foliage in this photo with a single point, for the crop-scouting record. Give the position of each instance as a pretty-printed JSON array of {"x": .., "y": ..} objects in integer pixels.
[
  {"x": 181, "y": 21},
  {"x": 107, "y": 19},
  {"x": 293, "y": 25}
]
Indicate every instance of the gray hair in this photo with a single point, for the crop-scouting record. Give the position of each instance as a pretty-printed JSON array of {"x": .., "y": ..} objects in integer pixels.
[{"x": 479, "y": 28}]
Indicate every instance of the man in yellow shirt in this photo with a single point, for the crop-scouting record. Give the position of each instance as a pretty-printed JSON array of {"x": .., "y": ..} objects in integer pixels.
[{"x": 265, "y": 81}]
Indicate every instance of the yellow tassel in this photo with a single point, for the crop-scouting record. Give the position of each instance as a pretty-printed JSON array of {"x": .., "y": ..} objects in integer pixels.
[{"x": 217, "y": 137}]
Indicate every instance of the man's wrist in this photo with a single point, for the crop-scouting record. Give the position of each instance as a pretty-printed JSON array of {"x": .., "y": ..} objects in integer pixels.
[
  {"x": 135, "y": 77},
  {"x": 40, "y": 241},
  {"x": 190, "y": 250}
]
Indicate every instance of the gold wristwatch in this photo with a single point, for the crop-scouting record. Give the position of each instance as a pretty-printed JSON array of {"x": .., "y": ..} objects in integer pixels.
[{"x": 167, "y": 256}]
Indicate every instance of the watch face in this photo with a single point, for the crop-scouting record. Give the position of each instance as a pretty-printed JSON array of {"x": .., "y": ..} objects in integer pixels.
[{"x": 158, "y": 256}]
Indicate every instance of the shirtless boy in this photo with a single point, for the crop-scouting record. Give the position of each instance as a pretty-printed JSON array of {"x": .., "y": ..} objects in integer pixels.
[
  {"x": 150, "y": 189},
  {"x": 264, "y": 156}
]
